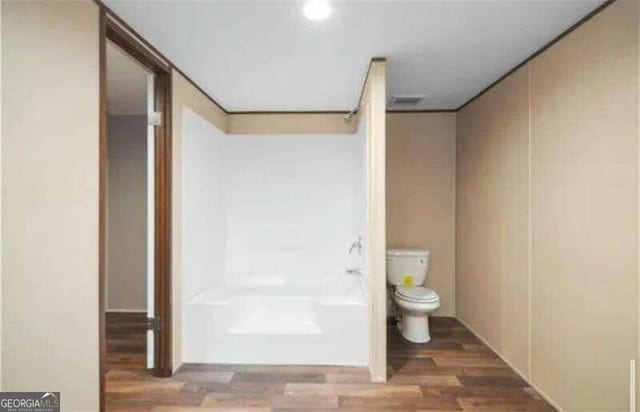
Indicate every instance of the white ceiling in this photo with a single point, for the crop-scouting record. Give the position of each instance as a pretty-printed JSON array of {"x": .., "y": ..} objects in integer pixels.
[
  {"x": 264, "y": 55},
  {"x": 126, "y": 84}
]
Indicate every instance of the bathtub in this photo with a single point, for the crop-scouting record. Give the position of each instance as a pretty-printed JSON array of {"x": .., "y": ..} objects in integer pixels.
[{"x": 275, "y": 322}]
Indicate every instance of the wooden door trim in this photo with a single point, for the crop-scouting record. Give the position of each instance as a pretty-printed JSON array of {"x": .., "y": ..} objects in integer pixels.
[
  {"x": 111, "y": 31},
  {"x": 119, "y": 35},
  {"x": 163, "y": 211}
]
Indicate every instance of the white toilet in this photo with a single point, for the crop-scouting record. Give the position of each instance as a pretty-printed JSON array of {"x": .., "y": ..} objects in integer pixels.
[{"x": 406, "y": 272}]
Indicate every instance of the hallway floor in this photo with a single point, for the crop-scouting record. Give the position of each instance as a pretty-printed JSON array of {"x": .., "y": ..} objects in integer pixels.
[{"x": 454, "y": 371}]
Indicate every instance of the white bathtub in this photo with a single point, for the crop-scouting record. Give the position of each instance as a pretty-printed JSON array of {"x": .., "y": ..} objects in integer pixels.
[{"x": 278, "y": 323}]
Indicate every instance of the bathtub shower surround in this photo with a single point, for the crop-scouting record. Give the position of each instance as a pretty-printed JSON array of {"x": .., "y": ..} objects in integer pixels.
[
  {"x": 269, "y": 272},
  {"x": 203, "y": 205}
]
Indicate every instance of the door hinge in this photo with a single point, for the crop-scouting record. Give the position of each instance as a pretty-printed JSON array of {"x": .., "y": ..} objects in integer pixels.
[
  {"x": 154, "y": 324},
  {"x": 155, "y": 119}
]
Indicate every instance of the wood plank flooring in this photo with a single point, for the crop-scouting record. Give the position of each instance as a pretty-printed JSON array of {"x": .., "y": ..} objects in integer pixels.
[{"x": 454, "y": 371}]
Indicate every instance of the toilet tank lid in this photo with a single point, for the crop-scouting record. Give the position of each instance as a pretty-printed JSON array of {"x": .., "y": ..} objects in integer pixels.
[{"x": 408, "y": 252}]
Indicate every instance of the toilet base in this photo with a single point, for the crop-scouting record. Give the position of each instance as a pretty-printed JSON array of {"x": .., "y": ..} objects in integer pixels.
[{"x": 415, "y": 328}]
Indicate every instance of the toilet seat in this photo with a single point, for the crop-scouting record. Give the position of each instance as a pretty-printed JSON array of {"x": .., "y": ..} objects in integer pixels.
[{"x": 417, "y": 294}]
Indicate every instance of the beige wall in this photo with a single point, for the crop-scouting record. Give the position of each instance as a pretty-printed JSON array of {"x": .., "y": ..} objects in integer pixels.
[
  {"x": 492, "y": 240},
  {"x": 547, "y": 239},
  {"x": 374, "y": 121},
  {"x": 127, "y": 213},
  {"x": 421, "y": 181},
  {"x": 50, "y": 200},
  {"x": 584, "y": 193}
]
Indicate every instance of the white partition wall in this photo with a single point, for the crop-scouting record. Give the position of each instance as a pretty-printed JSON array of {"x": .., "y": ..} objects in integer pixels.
[{"x": 268, "y": 225}]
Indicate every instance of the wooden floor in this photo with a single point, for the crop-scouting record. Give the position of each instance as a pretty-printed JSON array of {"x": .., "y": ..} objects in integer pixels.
[{"x": 454, "y": 371}]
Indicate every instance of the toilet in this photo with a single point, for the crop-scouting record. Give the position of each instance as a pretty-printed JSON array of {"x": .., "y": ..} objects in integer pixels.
[{"x": 406, "y": 272}]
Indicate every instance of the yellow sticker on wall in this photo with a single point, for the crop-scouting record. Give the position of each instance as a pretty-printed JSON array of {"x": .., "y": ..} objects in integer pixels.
[{"x": 407, "y": 280}]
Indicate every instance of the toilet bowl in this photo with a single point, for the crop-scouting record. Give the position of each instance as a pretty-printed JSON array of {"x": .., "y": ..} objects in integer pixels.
[
  {"x": 407, "y": 271},
  {"x": 415, "y": 305}
]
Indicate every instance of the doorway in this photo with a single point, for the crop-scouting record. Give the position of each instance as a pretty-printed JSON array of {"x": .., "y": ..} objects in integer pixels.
[
  {"x": 130, "y": 200},
  {"x": 135, "y": 205}
]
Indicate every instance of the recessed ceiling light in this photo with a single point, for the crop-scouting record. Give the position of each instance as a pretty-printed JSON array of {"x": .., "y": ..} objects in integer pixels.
[{"x": 317, "y": 9}]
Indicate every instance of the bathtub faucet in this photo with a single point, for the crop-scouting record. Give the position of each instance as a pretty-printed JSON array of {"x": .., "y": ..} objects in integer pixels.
[{"x": 357, "y": 244}]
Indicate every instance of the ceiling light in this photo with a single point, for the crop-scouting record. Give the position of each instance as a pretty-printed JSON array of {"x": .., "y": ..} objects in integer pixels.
[{"x": 317, "y": 9}]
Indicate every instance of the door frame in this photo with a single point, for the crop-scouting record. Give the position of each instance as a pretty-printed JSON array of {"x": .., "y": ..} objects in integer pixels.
[{"x": 116, "y": 31}]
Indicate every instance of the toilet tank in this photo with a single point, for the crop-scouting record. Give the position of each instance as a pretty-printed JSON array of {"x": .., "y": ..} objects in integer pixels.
[{"x": 407, "y": 267}]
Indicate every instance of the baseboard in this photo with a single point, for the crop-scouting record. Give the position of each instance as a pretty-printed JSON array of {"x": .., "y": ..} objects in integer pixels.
[
  {"x": 125, "y": 310},
  {"x": 518, "y": 371}
]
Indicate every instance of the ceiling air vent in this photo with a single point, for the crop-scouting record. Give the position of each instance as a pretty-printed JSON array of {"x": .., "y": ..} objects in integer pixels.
[{"x": 405, "y": 99}]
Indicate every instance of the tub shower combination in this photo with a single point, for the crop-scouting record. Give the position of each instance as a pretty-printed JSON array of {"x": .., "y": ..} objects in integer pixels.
[{"x": 274, "y": 263}]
